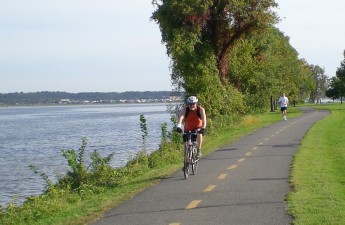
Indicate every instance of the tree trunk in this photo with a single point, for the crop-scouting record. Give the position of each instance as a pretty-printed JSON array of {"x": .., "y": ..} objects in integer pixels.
[
  {"x": 223, "y": 69},
  {"x": 272, "y": 104}
]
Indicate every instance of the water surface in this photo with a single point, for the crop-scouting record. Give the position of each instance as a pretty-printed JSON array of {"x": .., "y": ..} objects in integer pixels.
[{"x": 37, "y": 135}]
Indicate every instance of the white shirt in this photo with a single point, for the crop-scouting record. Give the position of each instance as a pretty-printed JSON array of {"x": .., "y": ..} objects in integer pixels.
[{"x": 283, "y": 100}]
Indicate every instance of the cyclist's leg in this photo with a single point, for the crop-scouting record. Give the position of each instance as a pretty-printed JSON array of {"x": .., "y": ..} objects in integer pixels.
[
  {"x": 185, "y": 157},
  {"x": 199, "y": 141},
  {"x": 199, "y": 145}
]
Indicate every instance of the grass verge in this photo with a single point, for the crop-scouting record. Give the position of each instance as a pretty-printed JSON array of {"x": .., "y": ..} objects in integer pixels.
[{"x": 317, "y": 176}]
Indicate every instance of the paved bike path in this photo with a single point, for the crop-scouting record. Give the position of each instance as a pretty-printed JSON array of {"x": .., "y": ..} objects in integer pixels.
[{"x": 242, "y": 183}]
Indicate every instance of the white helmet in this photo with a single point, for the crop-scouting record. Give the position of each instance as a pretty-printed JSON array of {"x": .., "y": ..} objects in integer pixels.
[{"x": 192, "y": 100}]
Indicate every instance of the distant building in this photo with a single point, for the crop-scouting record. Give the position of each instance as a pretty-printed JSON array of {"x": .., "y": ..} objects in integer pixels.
[
  {"x": 65, "y": 101},
  {"x": 175, "y": 98}
]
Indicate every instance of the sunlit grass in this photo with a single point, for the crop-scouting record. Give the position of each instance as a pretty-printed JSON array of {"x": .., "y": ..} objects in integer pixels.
[{"x": 317, "y": 176}]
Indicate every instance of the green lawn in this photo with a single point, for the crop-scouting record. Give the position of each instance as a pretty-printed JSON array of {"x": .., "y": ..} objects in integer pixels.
[{"x": 318, "y": 172}]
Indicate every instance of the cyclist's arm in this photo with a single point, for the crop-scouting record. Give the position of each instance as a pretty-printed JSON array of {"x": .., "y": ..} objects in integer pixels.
[
  {"x": 181, "y": 117},
  {"x": 203, "y": 117}
]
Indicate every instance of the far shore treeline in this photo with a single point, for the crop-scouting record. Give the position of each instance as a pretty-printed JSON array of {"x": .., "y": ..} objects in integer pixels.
[{"x": 52, "y": 98}]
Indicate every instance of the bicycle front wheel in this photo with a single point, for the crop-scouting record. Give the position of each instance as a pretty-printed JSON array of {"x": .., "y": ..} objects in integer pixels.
[
  {"x": 194, "y": 162},
  {"x": 187, "y": 162},
  {"x": 195, "y": 166}
]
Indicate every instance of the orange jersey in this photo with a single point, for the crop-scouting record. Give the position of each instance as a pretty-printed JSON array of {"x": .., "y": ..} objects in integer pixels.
[{"x": 192, "y": 121}]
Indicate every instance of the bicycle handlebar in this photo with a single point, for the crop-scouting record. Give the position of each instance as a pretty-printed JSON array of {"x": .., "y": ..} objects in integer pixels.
[{"x": 191, "y": 132}]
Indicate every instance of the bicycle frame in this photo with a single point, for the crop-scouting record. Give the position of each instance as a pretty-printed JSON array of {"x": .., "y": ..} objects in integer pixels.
[
  {"x": 190, "y": 151},
  {"x": 189, "y": 147}
]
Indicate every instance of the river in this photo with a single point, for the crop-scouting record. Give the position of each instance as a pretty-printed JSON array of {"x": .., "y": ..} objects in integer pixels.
[{"x": 37, "y": 135}]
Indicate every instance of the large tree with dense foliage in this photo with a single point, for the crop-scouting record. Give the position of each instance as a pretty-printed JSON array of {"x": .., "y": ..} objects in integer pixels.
[
  {"x": 337, "y": 89},
  {"x": 228, "y": 53},
  {"x": 216, "y": 24},
  {"x": 199, "y": 36},
  {"x": 321, "y": 82},
  {"x": 263, "y": 65}
]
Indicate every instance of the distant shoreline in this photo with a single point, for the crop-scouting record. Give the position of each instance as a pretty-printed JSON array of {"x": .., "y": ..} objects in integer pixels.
[
  {"x": 89, "y": 104},
  {"x": 87, "y": 98}
]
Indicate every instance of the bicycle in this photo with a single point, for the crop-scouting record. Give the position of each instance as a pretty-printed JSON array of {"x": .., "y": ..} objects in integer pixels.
[{"x": 190, "y": 152}]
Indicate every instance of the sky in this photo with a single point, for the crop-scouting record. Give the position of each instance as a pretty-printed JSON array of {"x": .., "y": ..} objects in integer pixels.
[
  {"x": 113, "y": 46},
  {"x": 316, "y": 30}
]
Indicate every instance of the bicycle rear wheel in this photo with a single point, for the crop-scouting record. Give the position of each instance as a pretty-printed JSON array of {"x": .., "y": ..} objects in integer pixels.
[{"x": 186, "y": 170}]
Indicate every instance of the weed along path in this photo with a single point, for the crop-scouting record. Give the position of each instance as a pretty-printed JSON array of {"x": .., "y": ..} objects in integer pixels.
[{"x": 243, "y": 183}]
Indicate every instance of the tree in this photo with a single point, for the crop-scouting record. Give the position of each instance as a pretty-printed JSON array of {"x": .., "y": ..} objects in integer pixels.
[
  {"x": 321, "y": 82},
  {"x": 216, "y": 24},
  {"x": 306, "y": 83},
  {"x": 337, "y": 89},
  {"x": 340, "y": 73},
  {"x": 263, "y": 65},
  {"x": 228, "y": 53},
  {"x": 231, "y": 20},
  {"x": 199, "y": 36},
  {"x": 334, "y": 91}
]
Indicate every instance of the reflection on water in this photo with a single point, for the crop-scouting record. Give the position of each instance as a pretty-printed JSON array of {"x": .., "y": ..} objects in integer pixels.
[{"x": 36, "y": 135}]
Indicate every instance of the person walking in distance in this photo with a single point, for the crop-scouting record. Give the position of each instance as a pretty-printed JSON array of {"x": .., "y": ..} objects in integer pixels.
[
  {"x": 194, "y": 118},
  {"x": 283, "y": 100}
]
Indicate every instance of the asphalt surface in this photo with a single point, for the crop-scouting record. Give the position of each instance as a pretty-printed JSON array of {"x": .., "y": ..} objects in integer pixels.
[{"x": 243, "y": 183}]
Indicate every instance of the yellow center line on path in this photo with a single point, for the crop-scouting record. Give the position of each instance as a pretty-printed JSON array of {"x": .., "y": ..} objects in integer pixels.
[
  {"x": 193, "y": 204},
  {"x": 209, "y": 188},
  {"x": 248, "y": 153},
  {"x": 266, "y": 139},
  {"x": 254, "y": 148},
  {"x": 222, "y": 176},
  {"x": 273, "y": 135},
  {"x": 241, "y": 160},
  {"x": 232, "y": 167},
  {"x": 174, "y": 223},
  {"x": 260, "y": 143}
]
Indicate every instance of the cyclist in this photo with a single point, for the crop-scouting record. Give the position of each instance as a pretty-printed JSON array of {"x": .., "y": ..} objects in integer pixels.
[{"x": 194, "y": 118}]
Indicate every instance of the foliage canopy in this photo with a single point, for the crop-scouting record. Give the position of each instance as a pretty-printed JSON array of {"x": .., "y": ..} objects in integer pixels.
[
  {"x": 229, "y": 54},
  {"x": 337, "y": 89}
]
